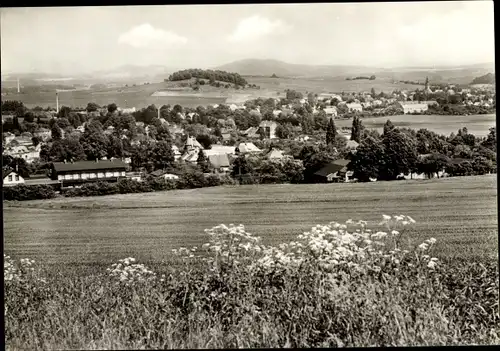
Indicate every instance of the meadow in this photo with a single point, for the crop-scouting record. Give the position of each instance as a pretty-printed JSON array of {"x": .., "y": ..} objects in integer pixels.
[
  {"x": 460, "y": 212},
  {"x": 478, "y": 125},
  {"x": 116, "y": 283},
  {"x": 142, "y": 95}
]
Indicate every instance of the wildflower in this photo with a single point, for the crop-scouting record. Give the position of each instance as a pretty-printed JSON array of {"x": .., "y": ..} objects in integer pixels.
[
  {"x": 349, "y": 221},
  {"x": 395, "y": 233},
  {"x": 431, "y": 264},
  {"x": 432, "y": 240},
  {"x": 411, "y": 219},
  {"x": 423, "y": 246}
]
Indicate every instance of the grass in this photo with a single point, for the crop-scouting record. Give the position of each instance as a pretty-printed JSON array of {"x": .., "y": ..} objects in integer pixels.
[
  {"x": 460, "y": 212},
  {"x": 140, "y": 95},
  {"x": 237, "y": 299},
  {"x": 478, "y": 125}
]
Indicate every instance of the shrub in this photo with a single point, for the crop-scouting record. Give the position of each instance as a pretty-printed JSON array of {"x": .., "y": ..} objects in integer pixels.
[{"x": 23, "y": 192}]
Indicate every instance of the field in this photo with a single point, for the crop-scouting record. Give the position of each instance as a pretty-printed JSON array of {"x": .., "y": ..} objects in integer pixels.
[
  {"x": 329, "y": 85},
  {"x": 460, "y": 212},
  {"x": 478, "y": 125},
  {"x": 141, "y": 95}
]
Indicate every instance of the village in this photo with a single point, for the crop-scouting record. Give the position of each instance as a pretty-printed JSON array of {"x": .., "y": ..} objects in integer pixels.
[{"x": 266, "y": 129}]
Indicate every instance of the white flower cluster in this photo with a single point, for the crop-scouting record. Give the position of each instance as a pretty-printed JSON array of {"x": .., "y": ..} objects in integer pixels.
[
  {"x": 329, "y": 246},
  {"x": 129, "y": 272},
  {"x": 24, "y": 271}
]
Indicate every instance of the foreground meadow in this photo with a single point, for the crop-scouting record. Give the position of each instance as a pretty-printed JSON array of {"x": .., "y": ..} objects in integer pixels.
[
  {"x": 335, "y": 285},
  {"x": 460, "y": 212}
]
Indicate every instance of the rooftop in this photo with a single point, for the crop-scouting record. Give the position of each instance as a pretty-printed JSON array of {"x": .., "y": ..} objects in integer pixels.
[{"x": 89, "y": 166}]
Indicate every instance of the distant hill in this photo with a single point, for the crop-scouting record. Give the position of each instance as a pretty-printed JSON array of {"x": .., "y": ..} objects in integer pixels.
[
  {"x": 488, "y": 78},
  {"x": 258, "y": 67}
]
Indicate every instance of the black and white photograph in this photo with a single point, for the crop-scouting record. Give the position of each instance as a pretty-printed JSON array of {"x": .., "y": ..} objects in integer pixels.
[{"x": 258, "y": 175}]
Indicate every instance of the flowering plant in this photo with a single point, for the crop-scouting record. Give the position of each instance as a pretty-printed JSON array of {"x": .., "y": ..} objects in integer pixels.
[{"x": 128, "y": 272}]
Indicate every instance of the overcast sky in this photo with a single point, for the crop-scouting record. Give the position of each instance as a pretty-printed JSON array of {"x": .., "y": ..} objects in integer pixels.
[{"x": 370, "y": 34}]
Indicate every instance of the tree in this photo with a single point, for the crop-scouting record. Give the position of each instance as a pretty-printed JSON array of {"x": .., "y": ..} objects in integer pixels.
[
  {"x": 16, "y": 164},
  {"x": 68, "y": 149},
  {"x": 331, "y": 132},
  {"x": 63, "y": 123},
  {"x": 115, "y": 147},
  {"x": 202, "y": 162},
  {"x": 373, "y": 94},
  {"x": 205, "y": 141},
  {"x": 357, "y": 129},
  {"x": 432, "y": 164},
  {"x": 163, "y": 134},
  {"x": 56, "y": 133},
  {"x": 36, "y": 140},
  {"x": 162, "y": 155},
  {"x": 320, "y": 120},
  {"x": 388, "y": 126},
  {"x": 491, "y": 139},
  {"x": 64, "y": 112},
  {"x": 94, "y": 141},
  {"x": 112, "y": 108},
  {"x": 283, "y": 131},
  {"x": 400, "y": 154},
  {"x": 91, "y": 107},
  {"x": 367, "y": 162}
]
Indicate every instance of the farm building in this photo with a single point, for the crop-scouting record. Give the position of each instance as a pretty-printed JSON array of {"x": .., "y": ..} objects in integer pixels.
[
  {"x": 220, "y": 150},
  {"x": 78, "y": 173},
  {"x": 251, "y": 132},
  {"x": 220, "y": 163},
  {"x": 43, "y": 133},
  {"x": 164, "y": 174},
  {"x": 11, "y": 178},
  {"x": 331, "y": 111},
  {"x": 335, "y": 171},
  {"x": 244, "y": 148},
  {"x": 275, "y": 155},
  {"x": 269, "y": 128},
  {"x": 355, "y": 107},
  {"x": 8, "y": 137},
  {"x": 192, "y": 143},
  {"x": 191, "y": 155},
  {"x": 413, "y": 106},
  {"x": 137, "y": 176},
  {"x": 177, "y": 153},
  {"x": 28, "y": 153},
  {"x": 41, "y": 179}
]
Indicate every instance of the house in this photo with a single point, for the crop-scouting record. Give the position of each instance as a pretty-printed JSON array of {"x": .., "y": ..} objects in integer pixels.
[
  {"x": 175, "y": 130},
  {"x": 331, "y": 111},
  {"x": 8, "y": 137},
  {"x": 335, "y": 171},
  {"x": 219, "y": 150},
  {"x": 191, "y": 156},
  {"x": 21, "y": 141},
  {"x": 269, "y": 128},
  {"x": 192, "y": 143},
  {"x": 276, "y": 113},
  {"x": 176, "y": 151},
  {"x": 110, "y": 130},
  {"x": 127, "y": 110},
  {"x": 164, "y": 121},
  {"x": 352, "y": 145},
  {"x": 43, "y": 134},
  {"x": 11, "y": 178},
  {"x": 164, "y": 174},
  {"x": 413, "y": 106},
  {"x": 251, "y": 132},
  {"x": 244, "y": 148},
  {"x": 220, "y": 163},
  {"x": 78, "y": 173},
  {"x": 137, "y": 176},
  {"x": 275, "y": 155},
  {"x": 355, "y": 107},
  {"x": 139, "y": 124},
  {"x": 28, "y": 153},
  {"x": 7, "y": 119}
]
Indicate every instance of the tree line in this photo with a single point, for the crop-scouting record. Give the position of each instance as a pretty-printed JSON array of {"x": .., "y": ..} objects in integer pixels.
[{"x": 211, "y": 75}]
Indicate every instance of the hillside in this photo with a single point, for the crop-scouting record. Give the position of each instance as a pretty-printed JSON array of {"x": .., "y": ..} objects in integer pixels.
[
  {"x": 488, "y": 78},
  {"x": 257, "y": 67}
]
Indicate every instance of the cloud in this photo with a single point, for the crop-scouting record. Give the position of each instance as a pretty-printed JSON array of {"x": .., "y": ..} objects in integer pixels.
[
  {"x": 145, "y": 35},
  {"x": 256, "y": 27}
]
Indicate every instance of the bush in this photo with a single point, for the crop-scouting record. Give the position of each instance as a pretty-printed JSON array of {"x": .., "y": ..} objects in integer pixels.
[
  {"x": 336, "y": 285},
  {"x": 23, "y": 192}
]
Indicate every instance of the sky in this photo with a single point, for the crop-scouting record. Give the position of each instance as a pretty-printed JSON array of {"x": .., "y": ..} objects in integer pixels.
[{"x": 86, "y": 39}]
